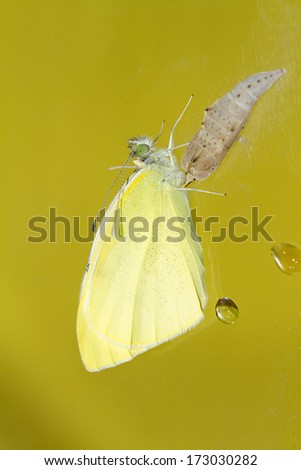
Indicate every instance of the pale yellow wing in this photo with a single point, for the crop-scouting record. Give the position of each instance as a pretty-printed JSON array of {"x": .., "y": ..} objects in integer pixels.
[{"x": 138, "y": 294}]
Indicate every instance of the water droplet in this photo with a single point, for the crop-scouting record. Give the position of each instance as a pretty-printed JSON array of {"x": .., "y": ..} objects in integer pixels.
[
  {"x": 226, "y": 310},
  {"x": 287, "y": 257}
]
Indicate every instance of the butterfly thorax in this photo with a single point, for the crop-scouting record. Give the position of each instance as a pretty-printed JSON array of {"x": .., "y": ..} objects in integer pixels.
[{"x": 145, "y": 155}]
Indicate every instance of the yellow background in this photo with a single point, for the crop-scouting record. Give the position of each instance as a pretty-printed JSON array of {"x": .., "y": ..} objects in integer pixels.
[{"x": 78, "y": 78}]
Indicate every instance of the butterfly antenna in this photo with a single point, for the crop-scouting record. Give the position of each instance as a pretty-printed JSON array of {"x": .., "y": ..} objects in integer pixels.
[
  {"x": 171, "y": 144},
  {"x": 160, "y": 132},
  {"x": 103, "y": 207},
  {"x": 120, "y": 196}
]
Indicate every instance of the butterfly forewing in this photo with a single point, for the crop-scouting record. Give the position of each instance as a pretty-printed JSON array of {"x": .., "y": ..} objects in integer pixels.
[{"x": 222, "y": 123}]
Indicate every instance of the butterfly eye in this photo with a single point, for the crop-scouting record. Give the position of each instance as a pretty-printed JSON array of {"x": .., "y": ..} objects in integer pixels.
[
  {"x": 141, "y": 147},
  {"x": 142, "y": 150}
]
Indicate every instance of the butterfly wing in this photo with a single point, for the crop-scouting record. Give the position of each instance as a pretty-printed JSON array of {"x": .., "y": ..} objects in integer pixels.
[
  {"x": 222, "y": 123},
  {"x": 138, "y": 294}
]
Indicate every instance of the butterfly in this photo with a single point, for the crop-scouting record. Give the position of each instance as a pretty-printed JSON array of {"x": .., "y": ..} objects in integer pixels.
[{"x": 145, "y": 278}]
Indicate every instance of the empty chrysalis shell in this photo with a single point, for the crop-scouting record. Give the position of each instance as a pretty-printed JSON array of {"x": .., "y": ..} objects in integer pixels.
[{"x": 222, "y": 123}]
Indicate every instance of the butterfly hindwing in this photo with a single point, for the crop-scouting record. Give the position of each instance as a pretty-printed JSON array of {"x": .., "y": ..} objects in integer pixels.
[{"x": 138, "y": 294}]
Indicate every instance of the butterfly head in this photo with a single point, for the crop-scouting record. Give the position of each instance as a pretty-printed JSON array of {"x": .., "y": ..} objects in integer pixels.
[{"x": 141, "y": 148}]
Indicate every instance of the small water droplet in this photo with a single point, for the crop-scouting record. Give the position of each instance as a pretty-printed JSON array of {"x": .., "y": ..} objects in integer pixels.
[
  {"x": 226, "y": 310},
  {"x": 287, "y": 257}
]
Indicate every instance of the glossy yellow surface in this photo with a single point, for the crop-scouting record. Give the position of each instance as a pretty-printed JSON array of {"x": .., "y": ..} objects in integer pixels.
[{"x": 78, "y": 78}]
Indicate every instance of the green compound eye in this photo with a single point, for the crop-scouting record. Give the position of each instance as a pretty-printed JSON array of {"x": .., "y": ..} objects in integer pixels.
[
  {"x": 142, "y": 150},
  {"x": 141, "y": 147}
]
